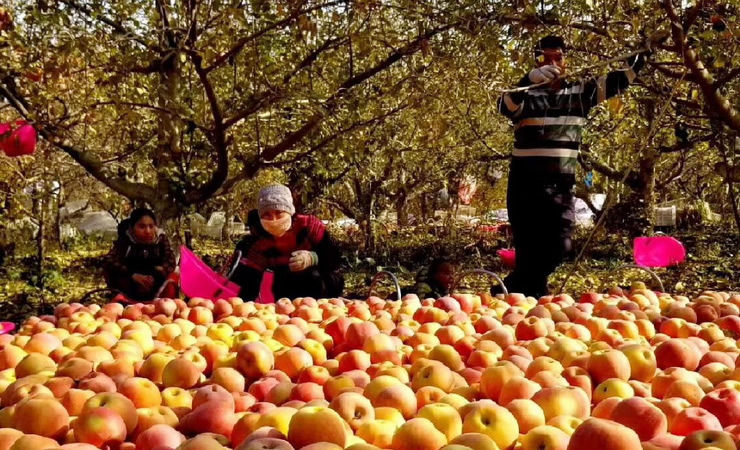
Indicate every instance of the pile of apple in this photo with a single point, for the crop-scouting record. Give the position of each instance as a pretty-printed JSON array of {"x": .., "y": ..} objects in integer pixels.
[{"x": 621, "y": 371}]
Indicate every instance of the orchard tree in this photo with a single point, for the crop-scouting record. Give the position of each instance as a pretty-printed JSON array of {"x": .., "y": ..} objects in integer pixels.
[
  {"x": 172, "y": 103},
  {"x": 194, "y": 97}
]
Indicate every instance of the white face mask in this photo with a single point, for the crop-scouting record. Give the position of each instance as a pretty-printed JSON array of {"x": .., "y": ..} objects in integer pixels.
[{"x": 277, "y": 227}]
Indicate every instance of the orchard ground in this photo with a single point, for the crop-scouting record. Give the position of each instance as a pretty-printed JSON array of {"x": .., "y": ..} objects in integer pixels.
[
  {"x": 632, "y": 369},
  {"x": 713, "y": 262}
]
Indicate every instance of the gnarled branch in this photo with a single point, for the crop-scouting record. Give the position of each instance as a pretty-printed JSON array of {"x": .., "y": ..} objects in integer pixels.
[{"x": 716, "y": 102}]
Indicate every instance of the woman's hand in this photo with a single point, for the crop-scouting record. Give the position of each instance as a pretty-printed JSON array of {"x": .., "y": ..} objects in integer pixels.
[
  {"x": 302, "y": 260},
  {"x": 145, "y": 281}
]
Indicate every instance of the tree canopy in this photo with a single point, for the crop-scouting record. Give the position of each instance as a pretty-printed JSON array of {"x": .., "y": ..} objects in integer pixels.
[{"x": 364, "y": 104}]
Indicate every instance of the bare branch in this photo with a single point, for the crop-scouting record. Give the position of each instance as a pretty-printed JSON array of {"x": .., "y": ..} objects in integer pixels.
[
  {"x": 600, "y": 165},
  {"x": 259, "y": 100},
  {"x": 293, "y": 138},
  {"x": 158, "y": 109},
  {"x": 324, "y": 142},
  {"x": 134, "y": 150},
  {"x": 734, "y": 73},
  {"x": 116, "y": 26},
  {"x": 676, "y": 172},
  {"x": 217, "y": 138},
  {"x": 134, "y": 191},
  {"x": 681, "y": 146},
  {"x": 577, "y": 25},
  {"x": 672, "y": 73},
  {"x": 236, "y": 48},
  {"x": 692, "y": 15},
  {"x": 716, "y": 102}
]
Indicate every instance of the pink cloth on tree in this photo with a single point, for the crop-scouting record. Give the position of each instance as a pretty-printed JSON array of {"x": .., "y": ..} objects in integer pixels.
[{"x": 21, "y": 140}]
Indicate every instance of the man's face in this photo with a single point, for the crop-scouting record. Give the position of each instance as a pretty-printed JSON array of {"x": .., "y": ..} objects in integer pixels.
[{"x": 552, "y": 57}]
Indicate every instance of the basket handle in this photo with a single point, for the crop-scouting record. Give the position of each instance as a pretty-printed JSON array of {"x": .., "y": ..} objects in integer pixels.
[
  {"x": 236, "y": 257},
  {"x": 483, "y": 271},
  {"x": 386, "y": 274},
  {"x": 652, "y": 274}
]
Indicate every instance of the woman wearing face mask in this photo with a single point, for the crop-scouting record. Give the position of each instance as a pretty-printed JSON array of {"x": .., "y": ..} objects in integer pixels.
[
  {"x": 297, "y": 248},
  {"x": 141, "y": 259}
]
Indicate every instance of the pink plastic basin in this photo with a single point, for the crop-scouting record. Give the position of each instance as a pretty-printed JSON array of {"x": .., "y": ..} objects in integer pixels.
[
  {"x": 658, "y": 251},
  {"x": 198, "y": 280},
  {"x": 7, "y": 327}
]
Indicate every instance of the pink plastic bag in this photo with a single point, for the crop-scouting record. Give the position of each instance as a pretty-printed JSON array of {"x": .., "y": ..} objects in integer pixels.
[
  {"x": 22, "y": 139},
  {"x": 198, "y": 280},
  {"x": 7, "y": 327},
  {"x": 508, "y": 257},
  {"x": 658, "y": 251},
  {"x": 266, "y": 295}
]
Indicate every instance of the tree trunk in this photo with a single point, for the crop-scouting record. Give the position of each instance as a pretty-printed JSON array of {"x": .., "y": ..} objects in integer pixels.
[
  {"x": 402, "y": 213},
  {"x": 56, "y": 217},
  {"x": 367, "y": 212},
  {"x": 167, "y": 212},
  {"x": 646, "y": 193},
  {"x": 424, "y": 207},
  {"x": 226, "y": 230},
  {"x": 730, "y": 178},
  {"x": 40, "y": 250},
  {"x": 168, "y": 204},
  {"x": 633, "y": 214}
]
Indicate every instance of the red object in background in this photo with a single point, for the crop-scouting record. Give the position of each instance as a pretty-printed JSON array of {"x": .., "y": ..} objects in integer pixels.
[
  {"x": 6, "y": 327},
  {"x": 508, "y": 257},
  {"x": 21, "y": 141},
  {"x": 489, "y": 228},
  {"x": 170, "y": 289},
  {"x": 467, "y": 190},
  {"x": 120, "y": 298}
]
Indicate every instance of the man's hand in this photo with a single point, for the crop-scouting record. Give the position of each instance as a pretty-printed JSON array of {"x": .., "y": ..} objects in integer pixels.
[
  {"x": 544, "y": 74},
  {"x": 302, "y": 260},
  {"x": 145, "y": 281}
]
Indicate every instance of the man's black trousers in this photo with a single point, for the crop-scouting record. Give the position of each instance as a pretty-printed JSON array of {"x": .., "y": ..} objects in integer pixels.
[{"x": 542, "y": 214}]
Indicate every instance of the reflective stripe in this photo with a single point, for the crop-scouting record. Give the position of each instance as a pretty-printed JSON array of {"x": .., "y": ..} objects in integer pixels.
[
  {"x": 562, "y": 120},
  {"x": 571, "y": 90},
  {"x": 549, "y": 152},
  {"x": 564, "y": 138},
  {"x": 601, "y": 89}
]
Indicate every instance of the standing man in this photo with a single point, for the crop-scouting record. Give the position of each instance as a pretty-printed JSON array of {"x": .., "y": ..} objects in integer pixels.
[{"x": 548, "y": 123}]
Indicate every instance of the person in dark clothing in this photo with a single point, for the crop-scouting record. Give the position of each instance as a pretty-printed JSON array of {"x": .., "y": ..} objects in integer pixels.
[
  {"x": 548, "y": 123},
  {"x": 296, "y": 248},
  {"x": 141, "y": 260},
  {"x": 435, "y": 281}
]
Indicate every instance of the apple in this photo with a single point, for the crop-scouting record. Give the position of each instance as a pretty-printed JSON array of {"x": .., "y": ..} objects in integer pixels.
[{"x": 100, "y": 426}]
